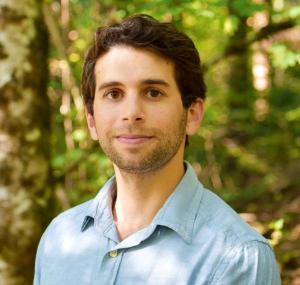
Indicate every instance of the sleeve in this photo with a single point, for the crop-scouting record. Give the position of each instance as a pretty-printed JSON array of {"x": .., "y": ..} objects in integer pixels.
[
  {"x": 39, "y": 257},
  {"x": 37, "y": 268},
  {"x": 251, "y": 263}
]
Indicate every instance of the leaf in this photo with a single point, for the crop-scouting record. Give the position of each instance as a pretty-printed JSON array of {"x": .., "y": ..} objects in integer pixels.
[
  {"x": 79, "y": 135},
  {"x": 231, "y": 24},
  {"x": 294, "y": 12},
  {"x": 58, "y": 161},
  {"x": 283, "y": 57},
  {"x": 246, "y": 8}
]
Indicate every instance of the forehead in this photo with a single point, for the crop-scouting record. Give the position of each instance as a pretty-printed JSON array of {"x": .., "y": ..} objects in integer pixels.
[{"x": 129, "y": 62}]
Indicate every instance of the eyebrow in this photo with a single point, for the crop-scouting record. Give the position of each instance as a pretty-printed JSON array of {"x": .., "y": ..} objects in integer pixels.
[
  {"x": 143, "y": 82},
  {"x": 109, "y": 84},
  {"x": 155, "y": 82}
]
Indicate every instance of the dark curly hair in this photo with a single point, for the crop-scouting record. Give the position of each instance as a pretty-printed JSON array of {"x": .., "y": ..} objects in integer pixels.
[{"x": 143, "y": 31}]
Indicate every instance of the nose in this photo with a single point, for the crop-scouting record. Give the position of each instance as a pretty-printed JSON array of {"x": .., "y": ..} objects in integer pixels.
[{"x": 133, "y": 109}]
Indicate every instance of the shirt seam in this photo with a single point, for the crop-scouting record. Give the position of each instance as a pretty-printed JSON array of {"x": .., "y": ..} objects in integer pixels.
[{"x": 223, "y": 261}]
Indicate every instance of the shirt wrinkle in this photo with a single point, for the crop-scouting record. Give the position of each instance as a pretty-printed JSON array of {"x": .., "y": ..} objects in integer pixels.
[{"x": 234, "y": 253}]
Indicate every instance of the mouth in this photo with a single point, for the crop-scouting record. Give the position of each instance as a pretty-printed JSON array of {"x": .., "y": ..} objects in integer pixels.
[{"x": 133, "y": 139}]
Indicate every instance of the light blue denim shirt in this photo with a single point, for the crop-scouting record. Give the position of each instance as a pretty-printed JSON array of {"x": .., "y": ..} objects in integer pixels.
[{"x": 195, "y": 238}]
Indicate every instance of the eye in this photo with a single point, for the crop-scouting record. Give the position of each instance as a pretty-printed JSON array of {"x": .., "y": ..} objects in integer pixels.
[
  {"x": 113, "y": 94},
  {"x": 154, "y": 93}
]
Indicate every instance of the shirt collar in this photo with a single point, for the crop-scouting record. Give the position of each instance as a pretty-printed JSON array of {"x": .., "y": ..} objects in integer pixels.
[
  {"x": 178, "y": 213},
  {"x": 100, "y": 208},
  {"x": 180, "y": 210}
]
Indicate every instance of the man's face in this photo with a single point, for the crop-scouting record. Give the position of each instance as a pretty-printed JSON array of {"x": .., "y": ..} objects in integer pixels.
[{"x": 138, "y": 119}]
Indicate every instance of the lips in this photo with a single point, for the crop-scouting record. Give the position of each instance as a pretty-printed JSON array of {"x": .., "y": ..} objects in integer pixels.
[{"x": 133, "y": 139}]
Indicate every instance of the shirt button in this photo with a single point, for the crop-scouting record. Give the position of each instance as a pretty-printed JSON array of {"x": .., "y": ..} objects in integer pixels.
[{"x": 113, "y": 253}]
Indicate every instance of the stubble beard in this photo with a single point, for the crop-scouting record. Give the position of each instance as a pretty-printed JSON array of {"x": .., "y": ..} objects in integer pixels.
[{"x": 167, "y": 146}]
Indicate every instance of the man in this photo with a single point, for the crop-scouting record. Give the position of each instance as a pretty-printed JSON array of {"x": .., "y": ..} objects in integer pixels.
[{"x": 153, "y": 222}]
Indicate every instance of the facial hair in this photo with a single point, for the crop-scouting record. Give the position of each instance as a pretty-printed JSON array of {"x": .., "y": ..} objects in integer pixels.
[{"x": 152, "y": 157}]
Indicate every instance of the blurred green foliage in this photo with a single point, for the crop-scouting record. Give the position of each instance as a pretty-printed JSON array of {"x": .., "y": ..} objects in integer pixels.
[{"x": 248, "y": 148}]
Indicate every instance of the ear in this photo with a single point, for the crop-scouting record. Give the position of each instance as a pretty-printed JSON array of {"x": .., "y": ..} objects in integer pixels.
[
  {"x": 91, "y": 125},
  {"x": 194, "y": 117}
]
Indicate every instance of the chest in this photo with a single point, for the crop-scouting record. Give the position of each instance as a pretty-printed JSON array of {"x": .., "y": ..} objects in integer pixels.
[{"x": 160, "y": 260}]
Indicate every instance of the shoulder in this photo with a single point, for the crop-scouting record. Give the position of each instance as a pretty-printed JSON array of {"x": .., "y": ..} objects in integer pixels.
[
  {"x": 58, "y": 235},
  {"x": 68, "y": 223},
  {"x": 240, "y": 254},
  {"x": 70, "y": 217},
  {"x": 219, "y": 219},
  {"x": 251, "y": 262}
]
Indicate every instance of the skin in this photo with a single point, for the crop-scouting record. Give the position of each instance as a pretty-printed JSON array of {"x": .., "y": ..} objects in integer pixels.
[{"x": 140, "y": 123}]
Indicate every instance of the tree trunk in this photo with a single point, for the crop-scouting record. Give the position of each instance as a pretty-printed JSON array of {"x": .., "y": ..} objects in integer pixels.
[
  {"x": 240, "y": 98},
  {"x": 240, "y": 101},
  {"x": 24, "y": 137}
]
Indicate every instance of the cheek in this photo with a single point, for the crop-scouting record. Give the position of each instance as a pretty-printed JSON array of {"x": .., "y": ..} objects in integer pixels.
[
  {"x": 167, "y": 121},
  {"x": 160, "y": 118},
  {"x": 103, "y": 123},
  {"x": 103, "y": 120}
]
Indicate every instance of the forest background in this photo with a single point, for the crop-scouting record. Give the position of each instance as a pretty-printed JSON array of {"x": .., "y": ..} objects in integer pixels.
[{"x": 247, "y": 150}]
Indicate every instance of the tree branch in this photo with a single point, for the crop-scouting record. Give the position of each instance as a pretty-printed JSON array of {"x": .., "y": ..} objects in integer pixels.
[{"x": 236, "y": 48}]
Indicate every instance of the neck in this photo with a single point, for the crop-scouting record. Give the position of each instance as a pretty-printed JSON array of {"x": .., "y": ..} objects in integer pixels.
[{"x": 140, "y": 196}]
